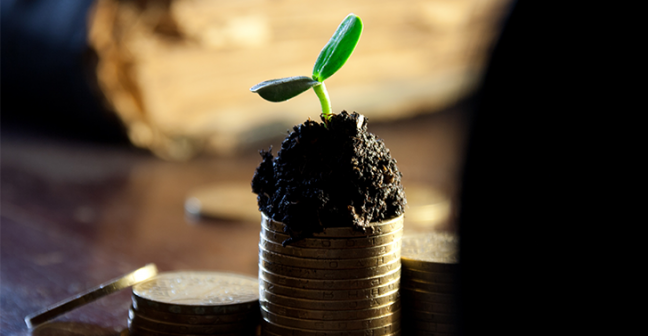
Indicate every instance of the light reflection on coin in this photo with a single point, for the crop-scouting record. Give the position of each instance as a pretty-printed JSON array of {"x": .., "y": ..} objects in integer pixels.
[
  {"x": 175, "y": 328},
  {"x": 196, "y": 292},
  {"x": 329, "y": 284},
  {"x": 331, "y": 315},
  {"x": 334, "y": 283},
  {"x": 324, "y": 243},
  {"x": 424, "y": 296},
  {"x": 349, "y": 325},
  {"x": 309, "y": 273},
  {"x": 324, "y": 253},
  {"x": 289, "y": 331},
  {"x": 328, "y": 305},
  {"x": 432, "y": 277},
  {"x": 342, "y": 294},
  {"x": 429, "y": 287},
  {"x": 251, "y": 316},
  {"x": 328, "y": 263},
  {"x": 434, "y": 247}
]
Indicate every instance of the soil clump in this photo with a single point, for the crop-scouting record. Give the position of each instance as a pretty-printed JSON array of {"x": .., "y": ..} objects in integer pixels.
[{"x": 330, "y": 175}]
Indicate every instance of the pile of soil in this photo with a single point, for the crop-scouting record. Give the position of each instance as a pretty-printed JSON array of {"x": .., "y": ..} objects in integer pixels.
[{"x": 331, "y": 175}]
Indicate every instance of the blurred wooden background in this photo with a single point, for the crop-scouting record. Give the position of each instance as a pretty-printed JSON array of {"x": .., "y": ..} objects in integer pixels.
[{"x": 178, "y": 73}]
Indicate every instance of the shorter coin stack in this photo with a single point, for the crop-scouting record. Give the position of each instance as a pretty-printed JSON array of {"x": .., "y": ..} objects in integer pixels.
[
  {"x": 340, "y": 282},
  {"x": 195, "y": 303},
  {"x": 430, "y": 263}
]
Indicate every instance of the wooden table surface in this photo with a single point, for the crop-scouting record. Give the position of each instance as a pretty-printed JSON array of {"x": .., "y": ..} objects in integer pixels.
[{"x": 75, "y": 215}]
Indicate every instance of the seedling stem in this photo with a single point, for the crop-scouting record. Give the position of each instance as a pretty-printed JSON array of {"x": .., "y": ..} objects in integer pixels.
[{"x": 324, "y": 99}]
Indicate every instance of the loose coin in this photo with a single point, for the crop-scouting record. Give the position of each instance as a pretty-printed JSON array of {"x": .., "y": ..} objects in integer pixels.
[
  {"x": 429, "y": 287},
  {"x": 323, "y": 243},
  {"x": 229, "y": 201},
  {"x": 309, "y": 273},
  {"x": 326, "y": 253},
  {"x": 446, "y": 278},
  {"x": 327, "y": 263},
  {"x": 331, "y": 315},
  {"x": 251, "y": 316},
  {"x": 431, "y": 317},
  {"x": 287, "y": 301},
  {"x": 102, "y": 290},
  {"x": 424, "y": 296},
  {"x": 332, "y": 325},
  {"x": 197, "y": 293},
  {"x": 329, "y": 284},
  {"x": 289, "y": 331},
  {"x": 326, "y": 294},
  {"x": 176, "y": 328},
  {"x": 376, "y": 229}
]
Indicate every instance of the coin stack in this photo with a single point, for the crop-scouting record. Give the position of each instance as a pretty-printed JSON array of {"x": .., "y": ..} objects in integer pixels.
[
  {"x": 339, "y": 282},
  {"x": 195, "y": 303},
  {"x": 430, "y": 263}
]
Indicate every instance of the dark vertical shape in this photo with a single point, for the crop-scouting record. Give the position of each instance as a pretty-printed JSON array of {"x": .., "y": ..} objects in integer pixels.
[{"x": 515, "y": 187}]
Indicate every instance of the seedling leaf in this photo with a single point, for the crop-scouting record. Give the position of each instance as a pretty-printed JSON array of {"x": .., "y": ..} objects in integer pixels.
[
  {"x": 278, "y": 90},
  {"x": 338, "y": 49}
]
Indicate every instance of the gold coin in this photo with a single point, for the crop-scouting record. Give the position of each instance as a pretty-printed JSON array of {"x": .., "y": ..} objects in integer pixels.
[
  {"x": 324, "y": 243},
  {"x": 287, "y": 301},
  {"x": 329, "y": 284},
  {"x": 431, "y": 317},
  {"x": 197, "y": 293},
  {"x": 176, "y": 328},
  {"x": 429, "y": 287},
  {"x": 310, "y": 273},
  {"x": 327, "y": 263},
  {"x": 271, "y": 327},
  {"x": 136, "y": 330},
  {"x": 432, "y": 252},
  {"x": 102, "y": 290},
  {"x": 326, "y": 253},
  {"x": 428, "y": 266},
  {"x": 424, "y": 296},
  {"x": 229, "y": 201},
  {"x": 432, "y": 326},
  {"x": 199, "y": 319},
  {"x": 318, "y": 294},
  {"x": 376, "y": 229},
  {"x": 432, "y": 277},
  {"x": 331, "y": 315},
  {"x": 364, "y": 324}
]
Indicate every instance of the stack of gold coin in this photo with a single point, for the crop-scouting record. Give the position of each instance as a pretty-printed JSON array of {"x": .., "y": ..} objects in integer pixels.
[
  {"x": 195, "y": 303},
  {"x": 428, "y": 286},
  {"x": 339, "y": 282}
]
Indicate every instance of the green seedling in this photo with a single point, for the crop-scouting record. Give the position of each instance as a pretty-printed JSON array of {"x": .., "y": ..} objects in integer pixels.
[{"x": 332, "y": 57}]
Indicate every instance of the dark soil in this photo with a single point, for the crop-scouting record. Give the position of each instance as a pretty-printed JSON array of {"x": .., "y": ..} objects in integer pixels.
[{"x": 332, "y": 175}]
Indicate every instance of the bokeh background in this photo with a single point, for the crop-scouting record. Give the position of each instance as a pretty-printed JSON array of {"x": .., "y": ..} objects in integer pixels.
[{"x": 174, "y": 76}]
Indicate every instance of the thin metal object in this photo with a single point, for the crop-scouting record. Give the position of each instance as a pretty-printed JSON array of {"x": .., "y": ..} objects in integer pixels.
[{"x": 128, "y": 280}]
